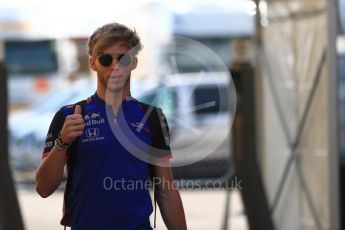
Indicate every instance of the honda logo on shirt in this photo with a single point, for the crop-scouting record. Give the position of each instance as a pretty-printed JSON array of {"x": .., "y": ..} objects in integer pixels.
[{"x": 92, "y": 132}]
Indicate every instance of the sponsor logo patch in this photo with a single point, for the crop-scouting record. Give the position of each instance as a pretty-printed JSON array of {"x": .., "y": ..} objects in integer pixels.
[
  {"x": 92, "y": 134},
  {"x": 48, "y": 144},
  {"x": 139, "y": 126}
]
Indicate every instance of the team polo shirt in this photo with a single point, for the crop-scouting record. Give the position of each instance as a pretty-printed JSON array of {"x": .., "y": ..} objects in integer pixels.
[{"x": 110, "y": 185}]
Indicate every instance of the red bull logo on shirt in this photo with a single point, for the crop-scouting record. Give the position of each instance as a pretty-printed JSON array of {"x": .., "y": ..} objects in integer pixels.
[{"x": 95, "y": 122}]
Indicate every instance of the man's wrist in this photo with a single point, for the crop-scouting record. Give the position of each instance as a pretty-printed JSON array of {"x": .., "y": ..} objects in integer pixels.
[{"x": 60, "y": 144}]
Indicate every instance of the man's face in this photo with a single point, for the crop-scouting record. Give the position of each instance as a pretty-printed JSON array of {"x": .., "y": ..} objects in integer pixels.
[{"x": 115, "y": 76}]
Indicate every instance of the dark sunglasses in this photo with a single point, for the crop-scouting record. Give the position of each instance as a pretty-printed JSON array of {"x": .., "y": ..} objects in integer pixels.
[{"x": 122, "y": 59}]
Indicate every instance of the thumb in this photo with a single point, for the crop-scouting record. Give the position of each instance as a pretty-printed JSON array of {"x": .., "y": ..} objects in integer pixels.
[{"x": 77, "y": 109}]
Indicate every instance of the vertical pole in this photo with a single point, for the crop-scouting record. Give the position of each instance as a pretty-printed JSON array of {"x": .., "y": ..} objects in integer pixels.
[
  {"x": 246, "y": 149},
  {"x": 333, "y": 138},
  {"x": 225, "y": 225},
  {"x": 10, "y": 217},
  {"x": 245, "y": 156}
]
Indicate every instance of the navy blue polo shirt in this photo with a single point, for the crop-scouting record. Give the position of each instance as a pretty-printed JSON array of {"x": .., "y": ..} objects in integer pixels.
[{"x": 110, "y": 185}]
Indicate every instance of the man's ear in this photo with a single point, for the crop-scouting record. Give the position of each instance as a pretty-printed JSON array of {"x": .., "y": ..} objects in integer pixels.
[
  {"x": 134, "y": 63},
  {"x": 92, "y": 63}
]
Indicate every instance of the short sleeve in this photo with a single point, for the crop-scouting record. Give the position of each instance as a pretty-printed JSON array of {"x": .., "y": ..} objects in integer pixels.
[{"x": 54, "y": 129}]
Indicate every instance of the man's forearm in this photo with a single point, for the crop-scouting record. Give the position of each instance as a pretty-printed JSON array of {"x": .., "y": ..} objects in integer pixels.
[
  {"x": 50, "y": 172},
  {"x": 171, "y": 207}
]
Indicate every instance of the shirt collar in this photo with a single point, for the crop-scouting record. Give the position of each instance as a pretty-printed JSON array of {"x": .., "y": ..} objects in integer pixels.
[{"x": 97, "y": 99}]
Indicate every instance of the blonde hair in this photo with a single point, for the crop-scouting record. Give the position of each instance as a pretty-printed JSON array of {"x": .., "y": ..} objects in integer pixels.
[{"x": 111, "y": 33}]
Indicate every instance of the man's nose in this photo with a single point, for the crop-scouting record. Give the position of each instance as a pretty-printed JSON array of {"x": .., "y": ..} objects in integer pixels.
[{"x": 114, "y": 65}]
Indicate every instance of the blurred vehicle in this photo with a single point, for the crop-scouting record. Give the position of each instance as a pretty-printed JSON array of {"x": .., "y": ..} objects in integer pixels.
[
  {"x": 36, "y": 66},
  {"x": 37, "y": 61},
  {"x": 199, "y": 115},
  {"x": 28, "y": 128}
]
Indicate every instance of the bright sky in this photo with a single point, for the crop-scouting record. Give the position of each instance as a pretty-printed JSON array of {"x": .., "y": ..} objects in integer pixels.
[
  {"x": 65, "y": 15},
  {"x": 79, "y": 17}
]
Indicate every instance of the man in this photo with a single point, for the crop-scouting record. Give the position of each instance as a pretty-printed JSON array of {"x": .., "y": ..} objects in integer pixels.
[{"x": 104, "y": 165}]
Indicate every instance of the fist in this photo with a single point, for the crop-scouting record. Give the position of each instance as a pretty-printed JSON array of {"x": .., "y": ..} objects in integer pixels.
[{"x": 73, "y": 126}]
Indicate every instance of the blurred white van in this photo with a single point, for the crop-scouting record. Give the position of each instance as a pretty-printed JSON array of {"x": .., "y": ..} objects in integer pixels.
[
  {"x": 37, "y": 66},
  {"x": 199, "y": 108}
]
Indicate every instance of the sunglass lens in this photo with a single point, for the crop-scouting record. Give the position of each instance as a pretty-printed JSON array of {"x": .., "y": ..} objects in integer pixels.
[
  {"x": 124, "y": 59},
  {"x": 105, "y": 59}
]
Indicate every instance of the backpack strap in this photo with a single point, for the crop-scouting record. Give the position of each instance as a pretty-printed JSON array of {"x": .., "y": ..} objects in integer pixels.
[{"x": 71, "y": 153}]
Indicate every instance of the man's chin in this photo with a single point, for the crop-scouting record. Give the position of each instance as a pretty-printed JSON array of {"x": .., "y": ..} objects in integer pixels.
[{"x": 114, "y": 89}]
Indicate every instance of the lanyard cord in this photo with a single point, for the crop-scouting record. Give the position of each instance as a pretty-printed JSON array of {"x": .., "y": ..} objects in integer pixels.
[{"x": 155, "y": 201}]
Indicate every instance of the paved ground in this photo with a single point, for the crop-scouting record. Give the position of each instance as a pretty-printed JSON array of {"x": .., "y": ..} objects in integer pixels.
[{"x": 204, "y": 210}]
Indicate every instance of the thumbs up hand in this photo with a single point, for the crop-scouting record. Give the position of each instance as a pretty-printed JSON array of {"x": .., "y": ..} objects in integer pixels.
[
  {"x": 77, "y": 109},
  {"x": 73, "y": 126}
]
